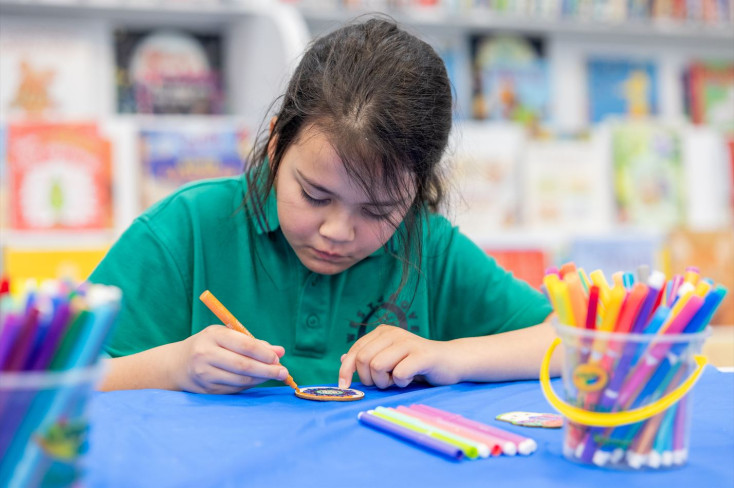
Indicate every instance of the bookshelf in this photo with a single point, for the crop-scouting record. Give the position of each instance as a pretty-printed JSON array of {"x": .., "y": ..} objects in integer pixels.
[
  {"x": 570, "y": 40},
  {"x": 260, "y": 43}
]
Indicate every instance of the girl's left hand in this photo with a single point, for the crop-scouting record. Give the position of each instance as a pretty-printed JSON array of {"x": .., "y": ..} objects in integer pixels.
[{"x": 390, "y": 355}]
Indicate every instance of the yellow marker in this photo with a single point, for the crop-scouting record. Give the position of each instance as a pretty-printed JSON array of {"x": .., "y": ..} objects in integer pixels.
[
  {"x": 691, "y": 277},
  {"x": 550, "y": 281},
  {"x": 702, "y": 288},
  {"x": 597, "y": 277},
  {"x": 611, "y": 311},
  {"x": 558, "y": 292},
  {"x": 618, "y": 278}
]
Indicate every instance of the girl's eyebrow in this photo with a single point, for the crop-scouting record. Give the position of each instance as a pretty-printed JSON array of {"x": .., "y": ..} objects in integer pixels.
[
  {"x": 314, "y": 185},
  {"x": 326, "y": 191}
]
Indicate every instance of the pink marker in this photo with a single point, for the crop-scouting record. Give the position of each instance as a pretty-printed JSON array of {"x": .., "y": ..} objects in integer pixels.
[
  {"x": 524, "y": 445},
  {"x": 656, "y": 351},
  {"x": 496, "y": 446}
]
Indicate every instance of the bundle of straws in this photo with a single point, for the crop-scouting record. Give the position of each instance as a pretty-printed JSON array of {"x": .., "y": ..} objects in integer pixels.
[
  {"x": 51, "y": 337},
  {"x": 639, "y": 334}
]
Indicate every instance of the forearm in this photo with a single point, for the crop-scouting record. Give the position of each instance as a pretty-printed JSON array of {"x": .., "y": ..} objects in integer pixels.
[
  {"x": 513, "y": 355},
  {"x": 147, "y": 369}
]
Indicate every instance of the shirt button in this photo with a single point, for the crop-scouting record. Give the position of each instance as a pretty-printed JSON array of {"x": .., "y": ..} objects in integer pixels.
[
  {"x": 313, "y": 321},
  {"x": 315, "y": 281}
]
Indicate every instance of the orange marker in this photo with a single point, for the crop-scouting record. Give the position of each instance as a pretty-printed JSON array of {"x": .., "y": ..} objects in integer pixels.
[
  {"x": 577, "y": 298},
  {"x": 231, "y": 322}
]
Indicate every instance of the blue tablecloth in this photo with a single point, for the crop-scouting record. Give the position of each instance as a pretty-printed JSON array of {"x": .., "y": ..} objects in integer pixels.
[{"x": 267, "y": 437}]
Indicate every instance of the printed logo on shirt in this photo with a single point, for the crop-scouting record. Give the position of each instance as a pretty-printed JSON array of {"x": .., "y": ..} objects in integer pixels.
[{"x": 381, "y": 311}]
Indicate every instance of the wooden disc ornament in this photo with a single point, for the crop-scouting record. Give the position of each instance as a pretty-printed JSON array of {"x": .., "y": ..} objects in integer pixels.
[{"x": 329, "y": 394}]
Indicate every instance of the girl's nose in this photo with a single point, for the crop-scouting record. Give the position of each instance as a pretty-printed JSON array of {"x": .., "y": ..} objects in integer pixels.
[{"x": 338, "y": 227}]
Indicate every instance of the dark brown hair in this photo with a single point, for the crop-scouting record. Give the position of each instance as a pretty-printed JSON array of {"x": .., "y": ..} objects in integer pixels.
[{"x": 382, "y": 98}]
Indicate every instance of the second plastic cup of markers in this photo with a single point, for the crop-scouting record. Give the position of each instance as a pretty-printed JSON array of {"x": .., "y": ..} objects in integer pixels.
[
  {"x": 44, "y": 417},
  {"x": 627, "y": 396}
]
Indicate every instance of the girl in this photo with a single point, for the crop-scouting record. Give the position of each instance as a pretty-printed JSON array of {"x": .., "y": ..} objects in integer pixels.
[{"x": 328, "y": 246}]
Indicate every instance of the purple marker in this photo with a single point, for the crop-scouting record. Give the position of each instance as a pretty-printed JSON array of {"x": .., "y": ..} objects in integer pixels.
[
  {"x": 51, "y": 340},
  {"x": 417, "y": 438}
]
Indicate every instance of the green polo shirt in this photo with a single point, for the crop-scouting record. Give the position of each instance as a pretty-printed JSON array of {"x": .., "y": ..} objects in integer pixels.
[{"x": 202, "y": 238}]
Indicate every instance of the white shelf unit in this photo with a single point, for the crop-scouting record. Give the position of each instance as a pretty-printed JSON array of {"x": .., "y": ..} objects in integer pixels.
[
  {"x": 568, "y": 43},
  {"x": 262, "y": 42}
]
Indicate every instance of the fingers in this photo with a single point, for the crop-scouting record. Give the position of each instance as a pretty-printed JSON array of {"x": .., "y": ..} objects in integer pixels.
[
  {"x": 408, "y": 369},
  {"x": 376, "y": 357},
  {"x": 245, "y": 345},
  {"x": 246, "y": 366},
  {"x": 349, "y": 360},
  {"x": 226, "y": 361}
]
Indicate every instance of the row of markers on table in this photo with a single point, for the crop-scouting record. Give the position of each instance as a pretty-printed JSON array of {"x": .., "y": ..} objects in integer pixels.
[{"x": 446, "y": 433}]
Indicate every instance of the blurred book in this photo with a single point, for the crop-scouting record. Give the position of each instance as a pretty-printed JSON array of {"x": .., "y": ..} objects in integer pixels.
[
  {"x": 712, "y": 252},
  {"x": 648, "y": 175},
  {"x": 708, "y": 181},
  {"x": 485, "y": 173},
  {"x": 528, "y": 265},
  {"x": 39, "y": 264},
  {"x": 49, "y": 68},
  {"x": 510, "y": 79},
  {"x": 621, "y": 87},
  {"x": 563, "y": 186},
  {"x": 171, "y": 158},
  {"x": 454, "y": 53},
  {"x": 59, "y": 177},
  {"x": 3, "y": 177},
  {"x": 169, "y": 72},
  {"x": 711, "y": 93},
  {"x": 612, "y": 253}
]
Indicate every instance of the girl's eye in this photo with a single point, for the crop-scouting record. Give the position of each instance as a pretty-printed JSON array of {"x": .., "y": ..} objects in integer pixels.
[
  {"x": 375, "y": 215},
  {"x": 313, "y": 201}
]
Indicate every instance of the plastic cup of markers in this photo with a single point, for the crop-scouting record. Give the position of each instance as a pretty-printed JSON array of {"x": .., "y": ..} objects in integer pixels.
[
  {"x": 44, "y": 418},
  {"x": 627, "y": 397}
]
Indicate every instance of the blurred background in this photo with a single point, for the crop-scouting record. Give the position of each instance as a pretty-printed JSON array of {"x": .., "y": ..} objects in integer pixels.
[{"x": 593, "y": 131}]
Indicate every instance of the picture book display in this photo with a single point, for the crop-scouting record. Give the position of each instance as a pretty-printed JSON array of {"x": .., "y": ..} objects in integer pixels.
[
  {"x": 485, "y": 175},
  {"x": 621, "y": 87},
  {"x": 612, "y": 252},
  {"x": 3, "y": 178},
  {"x": 75, "y": 264},
  {"x": 528, "y": 265},
  {"x": 169, "y": 72},
  {"x": 648, "y": 175},
  {"x": 509, "y": 79},
  {"x": 712, "y": 252},
  {"x": 711, "y": 94},
  {"x": 563, "y": 186},
  {"x": 171, "y": 158},
  {"x": 59, "y": 177},
  {"x": 49, "y": 69}
]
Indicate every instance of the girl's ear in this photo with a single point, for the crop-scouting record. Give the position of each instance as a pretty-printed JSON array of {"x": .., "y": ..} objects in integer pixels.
[{"x": 272, "y": 140}]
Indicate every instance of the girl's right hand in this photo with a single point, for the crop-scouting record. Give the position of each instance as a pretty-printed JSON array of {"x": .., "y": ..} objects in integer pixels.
[{"x": 221, "y": 360}]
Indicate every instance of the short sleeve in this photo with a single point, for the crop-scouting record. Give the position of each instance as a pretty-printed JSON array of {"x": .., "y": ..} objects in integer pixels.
[
  {"x": 472, "y": 295},
  {"x": 155, "y": 305}
]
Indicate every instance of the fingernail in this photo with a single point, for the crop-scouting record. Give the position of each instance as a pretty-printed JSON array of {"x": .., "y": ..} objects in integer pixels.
[
  {"x": 283, "y": 374},
  {"x": 342, "y": 383}
]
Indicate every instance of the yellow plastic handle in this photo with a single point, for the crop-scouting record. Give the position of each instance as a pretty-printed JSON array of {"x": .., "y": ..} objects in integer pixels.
[{"x": 613, "y": 419}]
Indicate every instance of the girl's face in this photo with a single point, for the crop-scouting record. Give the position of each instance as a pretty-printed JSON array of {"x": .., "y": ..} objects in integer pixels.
[{"x": 327, "y": 219}]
